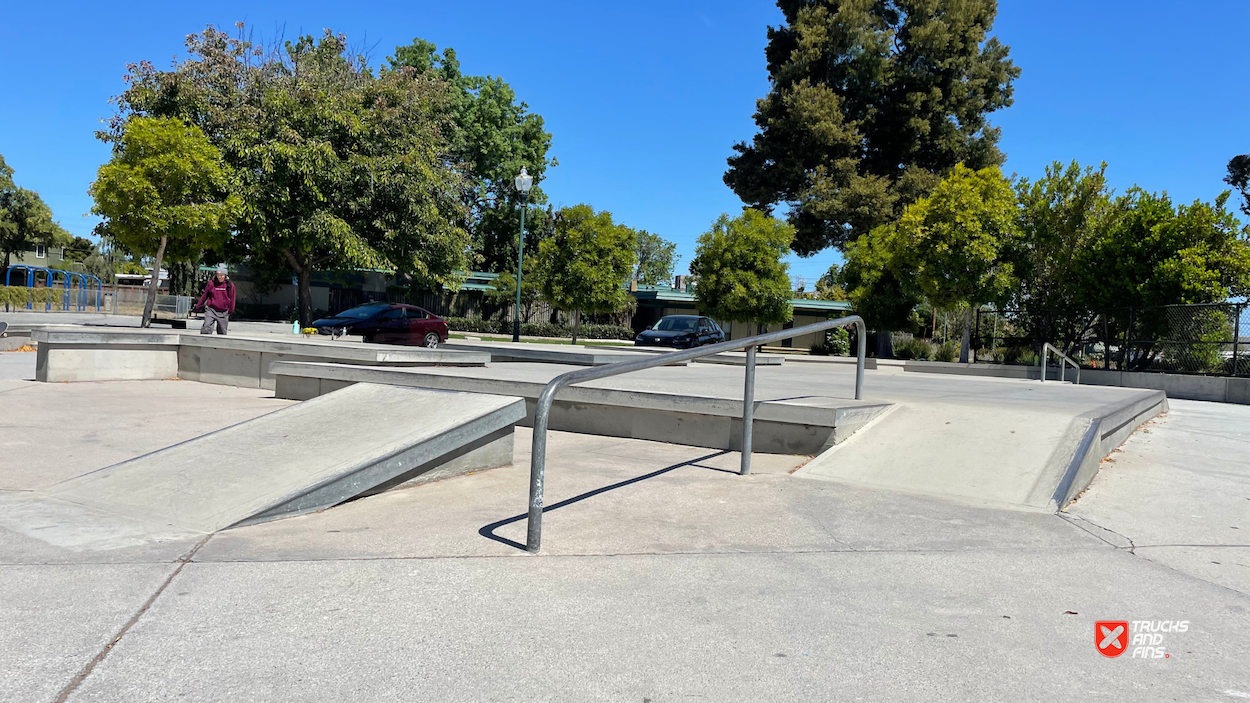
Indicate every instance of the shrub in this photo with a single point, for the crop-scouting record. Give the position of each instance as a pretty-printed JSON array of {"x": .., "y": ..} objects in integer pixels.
[
  {"x": 537, "y": 329},
  {"x": 913, "y": 349},
  {"x": 946, "y": 351},
  {"x": 1013, "y": 355},
  {"x": 19, "y": 296},
  {"x": 837, "y": 343}
]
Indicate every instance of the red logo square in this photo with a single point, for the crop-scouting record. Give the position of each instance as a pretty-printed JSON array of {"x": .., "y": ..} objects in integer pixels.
[{"x": 1111, "y": 637}]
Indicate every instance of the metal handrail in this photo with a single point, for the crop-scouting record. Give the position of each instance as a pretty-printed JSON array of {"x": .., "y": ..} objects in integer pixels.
[
  {"x": 1048, "y": 347},
  {"x": 538, "y": 460}
]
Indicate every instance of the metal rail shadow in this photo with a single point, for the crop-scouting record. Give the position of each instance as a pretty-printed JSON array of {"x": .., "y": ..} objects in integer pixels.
[
  {"x": 488, "y": 531},
  {"x": 538, "y": 461}
]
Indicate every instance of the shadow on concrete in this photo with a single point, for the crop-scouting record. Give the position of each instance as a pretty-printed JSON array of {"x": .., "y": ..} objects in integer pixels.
[{"x": 488, "y": 531}]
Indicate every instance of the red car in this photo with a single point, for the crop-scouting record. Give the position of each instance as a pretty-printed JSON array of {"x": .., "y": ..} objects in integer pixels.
[{"x": 388, "y": 323}]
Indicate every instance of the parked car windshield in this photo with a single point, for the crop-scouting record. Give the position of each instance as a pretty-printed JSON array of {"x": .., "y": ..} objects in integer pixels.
[
  {"x": 676, "y": 323},
  {"x": 361, "y": 312}
]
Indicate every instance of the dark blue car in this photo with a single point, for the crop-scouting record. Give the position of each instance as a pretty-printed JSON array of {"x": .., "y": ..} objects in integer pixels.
[{"x": 681, "y": 332}]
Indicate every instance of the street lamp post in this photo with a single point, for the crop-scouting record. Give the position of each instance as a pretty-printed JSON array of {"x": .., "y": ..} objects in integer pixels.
[{"x": 523, "y": 184}]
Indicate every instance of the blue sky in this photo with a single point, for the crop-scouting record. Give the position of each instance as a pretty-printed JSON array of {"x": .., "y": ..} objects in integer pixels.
[{"x": 645, "y": 99}]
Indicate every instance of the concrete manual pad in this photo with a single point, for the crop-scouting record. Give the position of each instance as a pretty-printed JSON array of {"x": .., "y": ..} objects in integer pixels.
[
  {"x": 304, "y": 457},
  {"x": 802, "y": 425}
]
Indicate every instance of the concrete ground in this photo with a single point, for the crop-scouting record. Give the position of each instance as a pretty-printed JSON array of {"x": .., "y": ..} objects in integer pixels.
[
  {"x": 1178, "y": 493},
  {"x": 665, "y": 576}
]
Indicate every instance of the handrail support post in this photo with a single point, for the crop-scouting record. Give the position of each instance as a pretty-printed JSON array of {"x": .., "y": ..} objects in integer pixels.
[{"x": 748, "y": 411}]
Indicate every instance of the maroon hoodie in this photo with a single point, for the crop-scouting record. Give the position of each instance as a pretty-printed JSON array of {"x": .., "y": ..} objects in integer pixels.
[{"x": 218, "y": 296}]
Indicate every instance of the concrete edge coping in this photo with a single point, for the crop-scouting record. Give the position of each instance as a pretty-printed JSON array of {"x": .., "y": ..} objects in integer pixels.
[
  {"x": 522, "y": 351},
  {"x": 793, "y": 411},
  {"x": 120, "y": 337},
  {"x": 295, "y": 347},
  {"x": 347, "y": 350},
  {"x": 870, "y": 363},
  {"x": 1101, "y": 424},
  {"x": 735, "y": 358}
]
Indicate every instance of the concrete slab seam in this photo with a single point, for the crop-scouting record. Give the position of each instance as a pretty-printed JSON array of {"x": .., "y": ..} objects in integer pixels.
[{"x": 99, "y": 657}]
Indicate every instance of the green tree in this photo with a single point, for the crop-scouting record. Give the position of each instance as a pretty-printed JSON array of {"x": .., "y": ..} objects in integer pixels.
[
  {"x": 25, "y": 220},
  {"x": 337, "y": 166},
  {"x": 878, "y": 295},
  {"x": 738, "y": 269},
  {"x": 1059, "y": 216},
  {"x": 164, "y": 192},
  {"x": 655, "y": 256},
  {"x": 492, "y": 137},
  {"x": 79, "y": 249},
  {"x": 832, "y": 285},
  {"x": 503, "y": 292},
  {"x": 950, "y": 246},
  {"x": 871, "y": 104},
  {"x": 584, "y": 265},
  {"x": 1239, "y": 178},
  {"x": 1152, "y": 252}
]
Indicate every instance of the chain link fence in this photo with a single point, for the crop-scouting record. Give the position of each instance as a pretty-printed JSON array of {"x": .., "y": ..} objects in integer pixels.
[{"x": 1208, "y": 339}]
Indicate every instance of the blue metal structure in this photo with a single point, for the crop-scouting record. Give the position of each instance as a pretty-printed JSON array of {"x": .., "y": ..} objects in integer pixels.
[{"x": 67, "y": 283}]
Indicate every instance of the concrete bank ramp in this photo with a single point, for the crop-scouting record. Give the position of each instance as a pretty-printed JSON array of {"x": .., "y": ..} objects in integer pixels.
[
  {"x": 305, "y": 457},
  {"x": 1015, "y": 456}
]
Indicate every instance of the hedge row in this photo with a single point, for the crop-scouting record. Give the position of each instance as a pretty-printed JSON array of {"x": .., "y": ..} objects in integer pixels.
[
  {"x": 538, "y": 329},
  {"x": 18, "y": 296}
]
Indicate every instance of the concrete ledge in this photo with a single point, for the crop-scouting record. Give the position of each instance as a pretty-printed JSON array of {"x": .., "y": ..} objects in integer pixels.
[
  {"x": 15, "y": 337},
  {"x": 1219, "y": 389},
  {"x": 799, "y": 426},
  {"x": 75, "y": 354},
  {"x": 870, "y": 363},
  {"x": 736, "y": 358},
  {"x": 995, "y": 370},
  {"x": 545, "y": 353},
  {"x": 68, "y": 356}
]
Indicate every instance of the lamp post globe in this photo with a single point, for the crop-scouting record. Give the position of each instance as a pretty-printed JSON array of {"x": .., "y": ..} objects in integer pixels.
[{"x": 524, "y": 182}]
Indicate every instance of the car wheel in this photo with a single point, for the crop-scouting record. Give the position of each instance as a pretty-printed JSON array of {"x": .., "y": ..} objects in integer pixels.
[{"x": 431, "y": 340}]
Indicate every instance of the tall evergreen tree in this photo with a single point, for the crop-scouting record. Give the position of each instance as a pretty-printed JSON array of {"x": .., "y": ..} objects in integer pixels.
[{"x": 872, "y": 102}]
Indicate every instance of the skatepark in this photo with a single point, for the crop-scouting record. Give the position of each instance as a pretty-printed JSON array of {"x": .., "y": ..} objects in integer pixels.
[{"x": 182, "y": 517}]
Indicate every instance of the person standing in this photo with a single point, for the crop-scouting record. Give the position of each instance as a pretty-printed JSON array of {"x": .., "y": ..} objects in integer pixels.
[{"x": 217, "y": 302}]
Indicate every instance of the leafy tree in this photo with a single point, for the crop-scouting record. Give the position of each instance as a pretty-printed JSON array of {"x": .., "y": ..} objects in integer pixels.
[
  {"x": 337, "y": 166},
  {"x": 871, "y": 104},
  {"x": 492, "y": 137},
  {"x": 832, "y": 285},
  {"x": 877, "y": 294},
  {"x": 503, "y": 292},
  {"x": 584, "y": 265},
  {"x": 1152, "y": 252},
  {"x": 950, "y": 246},
  {"x": 656, "y": 258},
  {"x": 738, "y": 269},
  {"x": 165, "y": 192},
  {"x": 1059, "y": 216},
  {"x": 25, "y": 220},
  {"x": 1239, "y": 178},
  {"x": 79, "y": 249}
]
